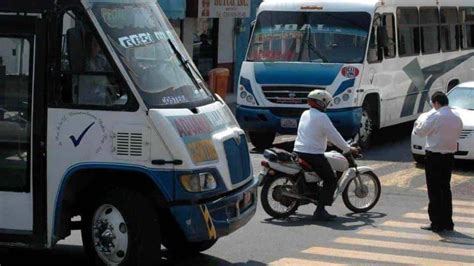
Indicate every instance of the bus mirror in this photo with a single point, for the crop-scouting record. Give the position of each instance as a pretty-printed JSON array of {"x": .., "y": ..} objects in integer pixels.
[
  {"x": 382, "y": 37},
  {"x": 75, "y": 50}
]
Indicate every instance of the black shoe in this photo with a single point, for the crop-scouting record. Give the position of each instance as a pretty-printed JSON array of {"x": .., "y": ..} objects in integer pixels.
[
  {"x": 449, "y": 228},
  {"x": 323, "y": 215},
  {"x": 435, "y": 229}
]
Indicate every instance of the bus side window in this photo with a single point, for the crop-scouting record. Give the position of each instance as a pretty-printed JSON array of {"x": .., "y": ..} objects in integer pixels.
[
  {"x": 429, "y": 21},
  {"x": 87, "y": 78},
  {"x": 376, "y": 48},
  {"x": 408, "y": 31},
  {"x": 390, "y": 49},
  {"x": 467, "y": 20},
  {"x": 449, "y": 29}
]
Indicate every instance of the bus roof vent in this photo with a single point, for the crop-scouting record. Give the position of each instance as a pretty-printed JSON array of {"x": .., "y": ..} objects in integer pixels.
[{"x": 131, "y": 144}]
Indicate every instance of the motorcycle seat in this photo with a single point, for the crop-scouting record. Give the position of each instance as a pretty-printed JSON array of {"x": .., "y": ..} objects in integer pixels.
[{"x": 305, "y": 165}]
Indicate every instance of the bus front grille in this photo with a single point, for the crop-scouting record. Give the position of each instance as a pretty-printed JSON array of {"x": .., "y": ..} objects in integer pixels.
[
  {"x": 238, "y": 159},
  {"x": 286, "y": 94}
]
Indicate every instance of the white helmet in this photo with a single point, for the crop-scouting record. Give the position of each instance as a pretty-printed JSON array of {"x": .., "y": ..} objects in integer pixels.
[{"x": 322, "y": 97}]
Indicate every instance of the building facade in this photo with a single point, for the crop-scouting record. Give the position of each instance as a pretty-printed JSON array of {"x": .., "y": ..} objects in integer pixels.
[{"x": 214, "y": 32}]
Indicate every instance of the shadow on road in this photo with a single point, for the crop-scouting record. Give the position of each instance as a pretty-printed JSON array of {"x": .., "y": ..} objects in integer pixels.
[
  {"x": 74, "y": 255},
  {"x": 349, "y": 222}
]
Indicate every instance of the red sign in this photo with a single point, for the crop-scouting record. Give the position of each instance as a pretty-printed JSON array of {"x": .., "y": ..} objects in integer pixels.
[{"x": 350, "y": 72}]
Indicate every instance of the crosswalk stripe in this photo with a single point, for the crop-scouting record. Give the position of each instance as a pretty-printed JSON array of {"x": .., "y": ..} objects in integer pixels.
[
  {"x": 401, "y": 178},
  {"x": 463, "y": 203},
  {"x": 416, "y": 236},
  {"x": 424, "y": 216},
  {"x": 459, "y": 210},
  {"x": 405, "y": 246},
  {"x": 395, "y": 224},
  {"x": 301, "y": 262},
  {"x": 378, "y": 257}
]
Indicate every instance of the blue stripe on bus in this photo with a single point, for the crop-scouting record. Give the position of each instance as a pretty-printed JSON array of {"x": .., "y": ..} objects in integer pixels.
[
  {"x": 344, "y": 86},
  {"x": 296, "y": 73}
]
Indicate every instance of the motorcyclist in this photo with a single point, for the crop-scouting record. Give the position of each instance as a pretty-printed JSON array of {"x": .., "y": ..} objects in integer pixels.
[{"x": 314, "y": 131}]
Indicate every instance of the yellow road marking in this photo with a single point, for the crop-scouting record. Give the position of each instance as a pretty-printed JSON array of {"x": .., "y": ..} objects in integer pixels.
[
  {"x": 459, "y": 178},
  {"x": 463, "y": 203},
  {"x": 464, "y": 230},
  {"x": 424, "y": 216},
  {"x": 401, "y": 178},
  {"x": 459, "y": 210},
  {"x": 429, "y": 237},
  {"x": 379, "y": 257},
  {"x": 300, "y": 262},
  {"x": 406, "y": 246}
]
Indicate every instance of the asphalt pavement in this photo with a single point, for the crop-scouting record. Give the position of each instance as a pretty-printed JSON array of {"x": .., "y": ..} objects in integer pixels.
[{"x": 389, "y": 234}]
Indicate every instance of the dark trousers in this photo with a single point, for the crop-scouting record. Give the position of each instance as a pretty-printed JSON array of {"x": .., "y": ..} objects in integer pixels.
[
  {"x": 438, "y": 178},
  {"x": 324, "y": 170}
]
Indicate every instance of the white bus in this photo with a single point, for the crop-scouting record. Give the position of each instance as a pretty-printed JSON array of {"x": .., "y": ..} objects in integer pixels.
[
  {"x": 107, "y": 127},
  {"x": 380, "y": 59}
]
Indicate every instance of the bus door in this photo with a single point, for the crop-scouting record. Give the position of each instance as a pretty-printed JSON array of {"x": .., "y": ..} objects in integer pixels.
[{"x": 22, "y": 129}]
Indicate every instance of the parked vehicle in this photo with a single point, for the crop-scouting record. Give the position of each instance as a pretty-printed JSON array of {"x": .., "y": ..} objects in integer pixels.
[
  {"x": 351, "y": 48},
  {"x": 289, "y": 182},
  {"x": 107, "y": 119},
  {"x": 461, "y": 98}
]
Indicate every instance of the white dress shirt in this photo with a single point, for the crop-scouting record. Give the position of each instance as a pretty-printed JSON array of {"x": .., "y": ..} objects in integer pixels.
[
  {"x": 314, "y": 131},
  {"x": 441, "y": 128}
]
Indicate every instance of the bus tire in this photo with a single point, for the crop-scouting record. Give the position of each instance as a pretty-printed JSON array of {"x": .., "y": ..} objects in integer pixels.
[
  {"x": 262, "y": 140},
  {"x": 121, "y": 228},
  {"x": 368, "y": 125}
]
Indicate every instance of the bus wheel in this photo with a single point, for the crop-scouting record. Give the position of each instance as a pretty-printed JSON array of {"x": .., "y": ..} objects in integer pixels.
[
  {"x": 122, "y": 228},
  {"x": 262, "y": 140},
  {"x": 367, "y": 126}
]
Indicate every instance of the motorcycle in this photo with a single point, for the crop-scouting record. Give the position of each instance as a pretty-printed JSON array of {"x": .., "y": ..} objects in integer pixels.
[{"x": 288, "y": 182}]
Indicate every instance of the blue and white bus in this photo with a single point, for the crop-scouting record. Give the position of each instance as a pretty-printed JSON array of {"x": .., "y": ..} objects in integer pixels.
[{"x": 380, "y": 59}]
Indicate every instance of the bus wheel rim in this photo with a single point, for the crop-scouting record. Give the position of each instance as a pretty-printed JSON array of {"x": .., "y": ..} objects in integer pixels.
[{"x": 109, "y": 234}]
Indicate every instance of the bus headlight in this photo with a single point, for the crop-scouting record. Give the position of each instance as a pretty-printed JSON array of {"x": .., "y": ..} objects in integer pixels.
[
  {"x": 198, "y": 182},
  {"x": 337, "y": 100},
  {"x": 243, "y": 95}
]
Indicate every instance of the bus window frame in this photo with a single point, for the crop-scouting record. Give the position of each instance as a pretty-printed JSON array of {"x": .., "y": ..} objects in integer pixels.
[
  {"x": 373, "y": 35},
  {"x": 395, "y": 39}
]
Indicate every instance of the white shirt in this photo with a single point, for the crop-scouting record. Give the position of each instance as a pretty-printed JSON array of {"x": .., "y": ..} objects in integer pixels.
[
  {"x": 441, "y": 128},
  {"x": 314, "y": 131}
]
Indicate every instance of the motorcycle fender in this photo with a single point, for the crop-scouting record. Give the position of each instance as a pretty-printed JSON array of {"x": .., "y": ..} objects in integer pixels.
[{"x": 348, "y": 176}]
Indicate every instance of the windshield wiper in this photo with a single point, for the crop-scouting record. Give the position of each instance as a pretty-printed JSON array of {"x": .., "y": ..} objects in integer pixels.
[
  {"x": 187, "y": 66},
  {"x": 311, "y": 47}
]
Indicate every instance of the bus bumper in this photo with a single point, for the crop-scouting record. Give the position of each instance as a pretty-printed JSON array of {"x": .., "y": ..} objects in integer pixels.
[
  {"x": 217, "y": 218},
  {"x": 346, "y": 120}
]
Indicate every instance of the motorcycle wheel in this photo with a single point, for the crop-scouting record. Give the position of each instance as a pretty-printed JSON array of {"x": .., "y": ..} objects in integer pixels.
[
  {"x": 362, "y": 196},
  {"x": 274, "y": 204}
]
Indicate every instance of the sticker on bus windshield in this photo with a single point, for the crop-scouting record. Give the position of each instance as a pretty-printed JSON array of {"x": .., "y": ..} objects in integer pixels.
[{"x": 145, "y": 38}]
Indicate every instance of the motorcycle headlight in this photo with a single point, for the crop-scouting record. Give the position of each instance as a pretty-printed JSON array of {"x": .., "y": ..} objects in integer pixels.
[{"x": 198, "y": 182}]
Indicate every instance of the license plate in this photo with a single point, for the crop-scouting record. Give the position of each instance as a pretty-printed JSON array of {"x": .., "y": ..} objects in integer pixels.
[{"x": 289, "y": 123}]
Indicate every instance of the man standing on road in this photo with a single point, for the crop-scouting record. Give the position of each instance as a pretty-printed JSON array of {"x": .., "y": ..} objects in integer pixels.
[
  {"x": 442, "y": 127},
  {"x": 314, "y": 131}
]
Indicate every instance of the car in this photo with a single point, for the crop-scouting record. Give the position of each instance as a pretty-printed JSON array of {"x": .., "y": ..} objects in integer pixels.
[{"x": 461, "y": 99}]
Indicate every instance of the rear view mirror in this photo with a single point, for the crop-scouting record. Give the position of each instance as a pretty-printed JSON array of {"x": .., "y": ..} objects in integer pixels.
[{"x": 75, "y": 49}]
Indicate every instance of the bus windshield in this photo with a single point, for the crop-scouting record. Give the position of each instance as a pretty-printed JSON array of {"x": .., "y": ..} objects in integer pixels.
[
  {"x": 326, "y": 37},
  {"x": 151, "y": 52}
]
